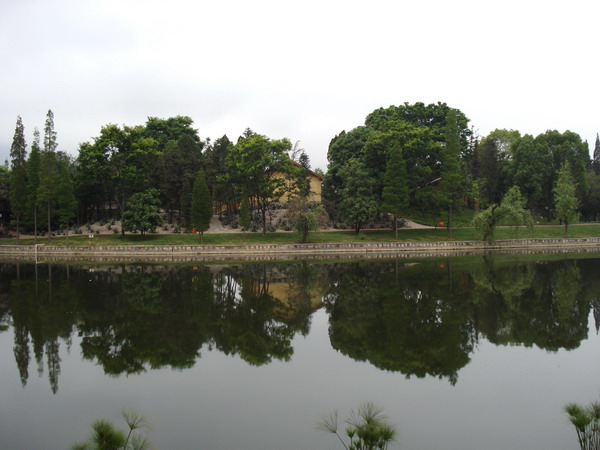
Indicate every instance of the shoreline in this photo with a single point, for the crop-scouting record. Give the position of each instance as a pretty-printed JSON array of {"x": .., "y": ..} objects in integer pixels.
[{"x": 190, "y": 253}]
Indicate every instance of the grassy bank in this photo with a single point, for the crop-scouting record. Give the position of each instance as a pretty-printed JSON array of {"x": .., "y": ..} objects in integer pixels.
[{"x": 409, "y": 235}]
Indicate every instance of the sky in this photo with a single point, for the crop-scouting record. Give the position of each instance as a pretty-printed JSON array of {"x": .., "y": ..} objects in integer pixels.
[{"x": 302, "y": 70}]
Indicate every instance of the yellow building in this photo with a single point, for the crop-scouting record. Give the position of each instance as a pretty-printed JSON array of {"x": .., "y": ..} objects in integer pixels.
[{"x": 315, "y": 181}]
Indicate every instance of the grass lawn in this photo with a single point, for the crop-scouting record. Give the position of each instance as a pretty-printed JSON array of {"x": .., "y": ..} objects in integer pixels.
[{"x": 409, "y": 235}]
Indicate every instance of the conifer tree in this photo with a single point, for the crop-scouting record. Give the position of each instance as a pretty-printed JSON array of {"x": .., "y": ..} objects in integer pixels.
[
  {"x": 49, "y": 180},
  {"x": 596, "y": 160},
  {"x": 395, "y": 186},
  {"x": 201, "y": 211},
  {"x": 66, "y": 204},
  {"x": 18, "y": 175},
  {"x": 50, "y": 143},
  {"x": 33, "y": 179}
]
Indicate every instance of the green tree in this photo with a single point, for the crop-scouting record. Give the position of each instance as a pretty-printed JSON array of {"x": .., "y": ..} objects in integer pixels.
[
  {"x": 50, "y": 144},
  {"x": 596, "y": 156},
  {"x": 306, "y": 217},
  {"x": 262, "y": 168},
  {"x": 451, "y": 184},
  {"x": 130, "y": 159},
  {"x": 565, "y": 199},
  {"x": 142, "y": 212},
  {"x": 245, "y": 221},
  {"x": 66, "y": 204},
  {"x": 358, "y": 204},
  {"x": 33, "y": 180},
  {"x": 49, "y": 181},
  {"x": 201, "y": 212},
  {"x": 395, "y": 187},
  {"x": 18, "y": 175},
  {"x": 511, "y": 211},
  {"x": 179, "y": 164}
]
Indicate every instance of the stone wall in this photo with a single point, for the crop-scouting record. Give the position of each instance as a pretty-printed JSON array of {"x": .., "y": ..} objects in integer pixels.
[{"x": 290, "y": 251}]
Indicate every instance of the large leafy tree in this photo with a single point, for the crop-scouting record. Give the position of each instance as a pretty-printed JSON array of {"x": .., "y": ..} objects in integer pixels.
[
  {"x": 18, "y": 175},
  {"x": 172, "y": 129},
  {"x": 395, "y": 187},
  {"x": 342, "y": 148},
  {"x": 262, "y": 168},
  {"x": 433, "y": 116},
  {"x": 128, "y": 157},
  {"x": 201, "y": 212},
  {"x": 451, "y": 184},
  {"x": 359, "y": 203},
  {"x": 565, "y": 198},
  {"x": 142, "y": 212}
]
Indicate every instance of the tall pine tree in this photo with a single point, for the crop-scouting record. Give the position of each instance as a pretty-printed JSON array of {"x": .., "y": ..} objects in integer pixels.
[
  {"x": 201, "y": 211},
  {"x": 596, "y": 160},
  {"x": 18, "y": 175},
  {"x": 33, "y": 179}
]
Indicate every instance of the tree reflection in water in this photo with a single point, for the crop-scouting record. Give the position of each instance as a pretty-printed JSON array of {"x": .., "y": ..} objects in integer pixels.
[{"x": 419, "y": 319}]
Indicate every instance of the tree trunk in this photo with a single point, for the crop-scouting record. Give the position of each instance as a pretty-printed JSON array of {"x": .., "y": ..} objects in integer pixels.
[
  {"x": 123, "y": 213},
  {"x": 395, "y": 227},
  {"x": 35, "y": 224},
  {"x": 18, "y": 233},
  {"x": 49, "y": 225},
  {"x": 264, "y": 218}
]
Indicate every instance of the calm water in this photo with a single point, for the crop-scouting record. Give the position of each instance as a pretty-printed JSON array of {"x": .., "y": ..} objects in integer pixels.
[{"x": 463, "y": 353}]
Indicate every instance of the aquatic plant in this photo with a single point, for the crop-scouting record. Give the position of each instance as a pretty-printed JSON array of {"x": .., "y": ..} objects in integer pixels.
[
  {"x": 368, "y": 428},
  {"x": 587, "y": 424}
]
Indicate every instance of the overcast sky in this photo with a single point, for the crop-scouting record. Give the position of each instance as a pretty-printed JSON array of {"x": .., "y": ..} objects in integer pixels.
[{"x": 302, "y": 70}]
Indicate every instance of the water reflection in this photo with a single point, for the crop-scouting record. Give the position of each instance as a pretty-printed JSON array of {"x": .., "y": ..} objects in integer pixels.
[{"x": 418, "y": 319}]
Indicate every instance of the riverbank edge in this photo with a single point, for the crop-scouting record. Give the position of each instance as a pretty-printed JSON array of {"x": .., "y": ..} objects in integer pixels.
[{"x": 291, "y": 251}]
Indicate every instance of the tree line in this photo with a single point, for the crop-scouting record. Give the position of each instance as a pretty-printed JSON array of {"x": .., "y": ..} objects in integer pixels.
[
  {"x": 130, "y": 172},
  {"x": 404, "y": 159},
  {"x": 417, "y": 157}
]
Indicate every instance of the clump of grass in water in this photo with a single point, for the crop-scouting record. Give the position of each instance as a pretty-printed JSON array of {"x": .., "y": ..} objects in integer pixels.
[
  {"x": 368, "y": 428},
  {"x": 105, "y": 436},
  {"x": 587, "y": 424}
]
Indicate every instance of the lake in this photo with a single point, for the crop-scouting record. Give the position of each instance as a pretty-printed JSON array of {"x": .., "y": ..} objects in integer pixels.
[{"x": 478, "y": 352}]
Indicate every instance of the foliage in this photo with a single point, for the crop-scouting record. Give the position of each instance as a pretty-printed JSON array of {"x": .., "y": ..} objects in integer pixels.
[
  {"x": 566, "y": 203},
  {"x": 142, "y": 212},
  {"x": 50, "y": 144},
  {"x": 395, "y": 186},
  {"x": 451, "y": 184},
  {"x": 368, "y": 428},
  {"x": 358, "y": 204},
  {"x": 262, "y": 169},
  {"x": 510, "y": 212},
  {"x": 105, "y": 436},
  {"x": 18, "y": 174},
  {"x": 201, "y": 212},
  {"x": 306, "y": 217},
  {"x": 586, "y": 421},
  {"x": 245, "y": 212}
]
